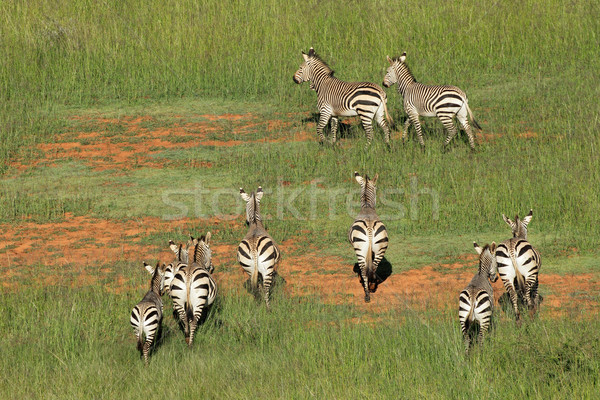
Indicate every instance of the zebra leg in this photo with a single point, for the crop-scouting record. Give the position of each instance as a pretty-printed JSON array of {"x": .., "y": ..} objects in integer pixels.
[
  {"x": 449, "y": 126},
  {"x": 531, "y": 300},
  {"x": 267, "y": 281},
  {"x": 483, "y": 328},
  {"x": 363, "y": 274},
  {"x": 380, "y": 118},
  {"x": 368, "y": 126},
  {"x": 405, "y": 133},
  {"x": 323, "y": 120},
  {"x": 514, "y": 300},
  {"x": 414, "y": 119},
  {"x": 146, "y": 349},
  {"x": 334, "y": 126},
  {"x": 465, "y": 331},
  {"x": 462, "y": 119}
]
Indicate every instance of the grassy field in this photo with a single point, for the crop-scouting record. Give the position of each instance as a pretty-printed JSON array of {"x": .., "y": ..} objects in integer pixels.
[{"x": 126, "y": 124}]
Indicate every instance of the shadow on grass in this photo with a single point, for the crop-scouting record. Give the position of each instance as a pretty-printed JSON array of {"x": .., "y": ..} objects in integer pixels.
[{"x": 384, "y": 270}]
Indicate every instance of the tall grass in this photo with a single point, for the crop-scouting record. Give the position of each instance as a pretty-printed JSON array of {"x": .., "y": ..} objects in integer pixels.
[{"x": 78, "y": 344}]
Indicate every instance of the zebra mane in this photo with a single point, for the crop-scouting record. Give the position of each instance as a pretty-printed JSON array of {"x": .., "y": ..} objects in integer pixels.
[
  {"x": 323, "y": 63},
  {"x": 252, "y": 205},
  {"x": 404, "y": 67},
  {"x": 486, "y": 258}
]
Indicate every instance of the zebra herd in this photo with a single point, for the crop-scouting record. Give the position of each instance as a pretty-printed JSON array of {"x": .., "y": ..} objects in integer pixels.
[
  {"x": 336, "y": 98},
  {"x": 188, "y": 278}
]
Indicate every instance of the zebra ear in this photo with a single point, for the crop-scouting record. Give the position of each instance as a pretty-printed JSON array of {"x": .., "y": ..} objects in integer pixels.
[
  {"x": 493, "y": 248},
  {"x": 207, "y": 238},
  {"x": 390, "y": 60},
  {"x": 403, "y": 57},
  {"x": 244, "y": 195},
  {"x": 527, "y": 218},
  {"x": 507, "y": 220},
  {"x": 149, "y": 268},
  {"x": 259, "y": 193},
  {"x": 305, "y": 56},
  {"x": 311, "y": 52},
  {"x": 477, "y": 248},
  {"x": 359, "y": 178},
  {"x": 374, "y": 180}
]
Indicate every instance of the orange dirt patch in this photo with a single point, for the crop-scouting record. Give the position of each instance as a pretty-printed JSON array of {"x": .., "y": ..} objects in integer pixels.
[{"x": 130, "y": 142}]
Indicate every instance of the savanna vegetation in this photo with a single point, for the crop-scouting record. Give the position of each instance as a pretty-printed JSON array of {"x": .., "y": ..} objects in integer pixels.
[{"x": 76, "y": 74}]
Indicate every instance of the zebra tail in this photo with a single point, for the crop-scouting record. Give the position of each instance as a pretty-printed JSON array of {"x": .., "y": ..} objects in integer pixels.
[
  {"x": 387, "y": 115},
  {"x": 475, "y": 124},
  {"x": 140, "y": 337},
  {"x": 369, "y": 260},
  {"x": 520, "y": 279},
  {"x": 254, "y": 276}
]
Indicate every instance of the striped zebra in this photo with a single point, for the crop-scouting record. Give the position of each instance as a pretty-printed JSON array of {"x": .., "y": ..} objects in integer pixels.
[
  {"x": 444, "y": 102},
  {"x": 476, "y": 301},
  {"x": 368, "y": 235},
  {"x": 257, "y": 253},
  {"x": 146, "y": 316},
  {"x": 518, "y": 265},
  {"x": 193, "y": 289},
  {"x": 181, "y": 258},
  {"x": 336, "y": 98}
]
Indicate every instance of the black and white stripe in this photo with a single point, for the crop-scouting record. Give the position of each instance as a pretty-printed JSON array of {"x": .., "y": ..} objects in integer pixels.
[
  {"x": 257, "y": 253},
  {"x": 368, "y": 235},
  {"x": 193, "y": 289},
  {"x": 476, "y": 301},
  {"x": 518, "y": 265},
  {"x": 444, "y": 102},
  {"x": 146, "y": 316},
  {"x": 336, "y": 98}
]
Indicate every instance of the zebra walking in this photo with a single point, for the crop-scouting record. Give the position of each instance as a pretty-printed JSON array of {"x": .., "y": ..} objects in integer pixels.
[
  {"x": 444, "y": 102},
  {"x": 476, "y": 301},
  {"x": 257, "y": 253},
  {"x": 368, "y": 235},
  {"x": 146, "y": 316},
  {"x": 336, "y": 98},
  {"x": 518, "y": 265},
  {"x": 193, "y": 289}
]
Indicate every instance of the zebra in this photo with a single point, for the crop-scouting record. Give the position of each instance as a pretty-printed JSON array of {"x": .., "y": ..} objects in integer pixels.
[
  {"x": 146, "y": 316},
  {"x": 336, "y": 98},
  {"x": 518, "y": 265},
  {"x": 257, "y": 253},
  {"x": 193, "y": 289},
  {"x": 476, "y": 301},
  {"x": 181, "y": 258},
  {"x": 368, "y": 235},
  {"x": 444, "y": 102}
]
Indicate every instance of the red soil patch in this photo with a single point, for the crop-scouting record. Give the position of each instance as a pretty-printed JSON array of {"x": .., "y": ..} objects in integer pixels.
[
  {"x": 83, "y": 243},
  {"x": 103, "y": 149}
]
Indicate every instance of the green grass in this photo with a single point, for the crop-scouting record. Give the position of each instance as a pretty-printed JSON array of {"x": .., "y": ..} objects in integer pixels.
[
  {"x": 302, "y": 349},
  {"x": 530, "y": 68}
]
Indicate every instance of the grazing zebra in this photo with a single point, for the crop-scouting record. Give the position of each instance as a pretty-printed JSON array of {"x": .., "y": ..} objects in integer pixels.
[
  {"x": 368, "y": 235},
  {"x": 257, "y": 253},
  {"x": 518, "y": 265},
  {"x": 336, "y": 98},
  {"x": 476, "y": 301},
  {"x": 193, "y": 288},
  {"x": 443, "y": 102},
  {"x": 146, "y": 316}
]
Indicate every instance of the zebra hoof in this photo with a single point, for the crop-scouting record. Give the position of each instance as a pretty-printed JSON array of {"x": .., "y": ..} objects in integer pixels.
[{"x": 367, "y": 299}]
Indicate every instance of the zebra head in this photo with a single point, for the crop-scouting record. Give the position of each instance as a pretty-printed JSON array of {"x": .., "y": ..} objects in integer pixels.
[
  {"x": 367, "y": 189},
  {"x": 181, "y": 254},
  {"x": 157, "y": 283},
  {"x": 312, "y": 69},
  {"x": 519, "y": 226},
  {"x": 252, "y": 205},
  {"x": 202, "y": 254},
  {"x": 398, "y": 72},
  {"x": 303, "y": 73},
  {"x": 487, "y": 260}
]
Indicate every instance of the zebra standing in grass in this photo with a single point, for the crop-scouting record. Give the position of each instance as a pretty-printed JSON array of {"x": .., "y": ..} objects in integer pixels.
[
  {"x": 368, "y": 235},
  {"x": 518, "y": 265},
  {"x": 146, "y": 316},
  {"x": 193, "y": 289},
  {"x": 444, "y": 102},
  {"x": 336, "y": 98},
  {"x": 257, "y": 253},
  {"x": 476, "y": 301}
]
